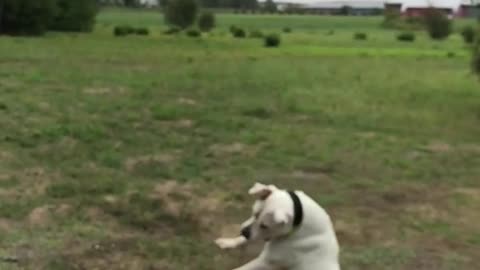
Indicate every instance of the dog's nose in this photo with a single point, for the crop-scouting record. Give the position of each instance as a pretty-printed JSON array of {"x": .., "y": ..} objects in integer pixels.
[{"x": 246, "y": 232}]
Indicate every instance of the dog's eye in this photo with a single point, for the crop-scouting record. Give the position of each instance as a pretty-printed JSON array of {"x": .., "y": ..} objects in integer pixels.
[{"x": 263, "y": 226}]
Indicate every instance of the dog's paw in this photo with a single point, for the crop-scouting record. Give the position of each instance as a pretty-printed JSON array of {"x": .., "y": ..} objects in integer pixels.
[{"x": 226, "y": 243}]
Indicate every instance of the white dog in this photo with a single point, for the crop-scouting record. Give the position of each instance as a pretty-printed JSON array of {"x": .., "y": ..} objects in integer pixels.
[{"x": 298, "y": 232}]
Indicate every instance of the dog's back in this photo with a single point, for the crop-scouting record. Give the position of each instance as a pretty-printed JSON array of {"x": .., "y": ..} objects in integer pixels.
[{"x": 313, "y": 245}]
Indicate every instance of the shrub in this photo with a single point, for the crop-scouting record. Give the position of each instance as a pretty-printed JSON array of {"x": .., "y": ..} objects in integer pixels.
[
  {"x": 330, "y": 33},
  {"x": 232, "y": 29},
  {"x": 239, "y": 33},
  {"x": 193, "y": 33},
  {"x": 360, "y": 36},
  {"x": 75, "y": 16},
  {"x": 476, "y": 54},
  {"x": 391, "y": 19},
  {"x": 272, "y": 40},
  {"x": 287, "y": 30},
  {"x": 270, "y": 6},
  {"x": 123, "y": 30},
  {"x": 406, "y": 36},
  {"x": 142, "y": 31},
  {"x": 181, "y": 13},
  {"x": 468, "y": 34},
  {"x": 438, "y": 25},
  {"x": 451, "y": 54},
  {"x": 206, "y": 22},
  {"x": 256, "y": 34},
  {"x": 172, "y": 30},
  {"x": 26, "y": 17},
  {"x": 476, "y": 62}
]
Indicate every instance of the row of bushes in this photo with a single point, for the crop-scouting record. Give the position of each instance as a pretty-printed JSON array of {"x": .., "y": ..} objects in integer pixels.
[
  {"x": 126, "y": 30},
  {"x": 476, "y": 52},
  {"x": 270, "y": 40},
  {"x": 468, "y": 34},
  {"x": 435, "y": 22},
  {"x": 35, "y": 17},
  {"x": 404, "y": 36}
]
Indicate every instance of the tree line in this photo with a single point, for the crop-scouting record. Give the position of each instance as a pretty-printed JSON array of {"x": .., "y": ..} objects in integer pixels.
[
  {"x": 35, "y": 17},
  {"x": 227, "y": 4}
]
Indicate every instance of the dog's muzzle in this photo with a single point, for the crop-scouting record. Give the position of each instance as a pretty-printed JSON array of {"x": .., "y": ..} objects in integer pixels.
[{"x": 246, "y": 232}]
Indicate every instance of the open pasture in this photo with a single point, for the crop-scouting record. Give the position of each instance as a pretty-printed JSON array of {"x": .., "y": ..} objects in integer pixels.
[{"x": 136, "y": 152}]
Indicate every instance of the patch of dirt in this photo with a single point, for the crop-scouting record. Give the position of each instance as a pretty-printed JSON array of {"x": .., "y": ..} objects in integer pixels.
[
  {"x": 5, "y": 156},
  {"x": 44, "y": 106},
  {"x": 413, "y": 155},
  {"x": 132, "y": 163},
  {"x": 10, "y": 83},
  {"x": 473, "y": 148},
  {"x": 187, "y": 101},
  {"x": 313, "y": 172},
  {"x": 472, "y": 193},
  {"x": 348, "y": 231},
  {"x": 6, "y": 225},
  {"x": 427, "y": 211},
  {"x": 367, "y": 135},
  {"x": 437, "y": 147},
  {"x": 184, "y": 123},
  {"x": 63, "y": 210},
  {"x": 236, "y": 148},
  {"x": 44, "y": 216},
  {"x": 233, "y": 148},
  {"x": 104, "y": 90},
  {"x": 34, "y": 181},
  {"x": 179, "y": 198},
  {"x": 40, "y": 216},
  {"x": 120, "y": 253},
  {"x": 374, "y": 215}
]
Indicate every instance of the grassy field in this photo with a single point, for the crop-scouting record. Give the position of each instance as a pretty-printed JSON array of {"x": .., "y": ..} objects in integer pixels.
[{"x": 136, "y": 152}]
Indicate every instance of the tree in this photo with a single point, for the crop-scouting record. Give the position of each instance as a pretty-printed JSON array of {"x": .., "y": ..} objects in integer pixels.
[
  {"x": 76, "y": 16},
  {"x": 26, "y": 17},
  {"x": 476, "y": 53},
  {"x": 270, "y": 6},
  {"x": 131, "y": 3},
  {"x": 438, "y": 24},
  {"x": 345, "y": 10},
  {"x": 206, "y": 22},
  {"x": 163, "y": 3},
  {"x": 181, "y": 13}
]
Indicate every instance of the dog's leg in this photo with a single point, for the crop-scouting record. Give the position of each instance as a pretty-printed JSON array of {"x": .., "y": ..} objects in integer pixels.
[
  {"x": 257, "y": 264},
  {"x": 230, "y": 243}
]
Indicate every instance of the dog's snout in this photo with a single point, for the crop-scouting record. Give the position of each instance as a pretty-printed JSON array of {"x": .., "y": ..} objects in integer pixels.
[{"x": 246, "y": 232}]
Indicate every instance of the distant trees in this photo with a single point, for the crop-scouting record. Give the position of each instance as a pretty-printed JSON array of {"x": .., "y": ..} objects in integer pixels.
[
  {"x": 35, "y": 17},
  {"x": 181, "y": 13},
  {"x": 234, "y": 4},
  {"x": 476, "y": 52},
  {"x": 131, "y": 3},
  {"x": 26, "y": 17},
  {"x": 206, "y": 21},
  {"x": 76, "y": 16},
  {"x": 270, "y": 6},
  {"x": 438, "y": 25}
]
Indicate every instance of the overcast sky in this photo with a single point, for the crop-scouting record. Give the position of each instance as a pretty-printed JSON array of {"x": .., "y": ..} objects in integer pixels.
[{"x": 402, "y": 1}]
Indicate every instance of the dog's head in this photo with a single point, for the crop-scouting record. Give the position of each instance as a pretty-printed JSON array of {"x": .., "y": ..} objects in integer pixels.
[{"x": 272, "y": 213}]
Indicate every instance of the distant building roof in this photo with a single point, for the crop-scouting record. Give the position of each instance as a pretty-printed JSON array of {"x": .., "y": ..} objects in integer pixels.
[
  {"x": 447, "y": 4},
  {"x": 350, "y": 3}
]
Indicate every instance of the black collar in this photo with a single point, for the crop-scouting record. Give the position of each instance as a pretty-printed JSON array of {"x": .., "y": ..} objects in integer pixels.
[{"x": 297, "y": 209}]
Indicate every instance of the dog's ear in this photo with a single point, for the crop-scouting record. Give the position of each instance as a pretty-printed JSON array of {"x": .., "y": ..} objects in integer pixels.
[
  {"x": 281, "y": 217},
  {"x": 261, "y": 191}
]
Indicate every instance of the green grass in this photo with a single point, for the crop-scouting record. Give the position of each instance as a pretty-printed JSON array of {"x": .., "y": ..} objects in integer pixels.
[{"x": 143, "y": 148}]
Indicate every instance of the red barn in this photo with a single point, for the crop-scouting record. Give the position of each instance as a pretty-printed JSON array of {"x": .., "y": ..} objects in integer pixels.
[{"x": 419, "y": 8}]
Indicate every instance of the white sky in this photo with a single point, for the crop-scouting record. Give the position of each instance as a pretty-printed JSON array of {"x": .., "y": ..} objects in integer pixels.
[{"x": 402, "y": 1}]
